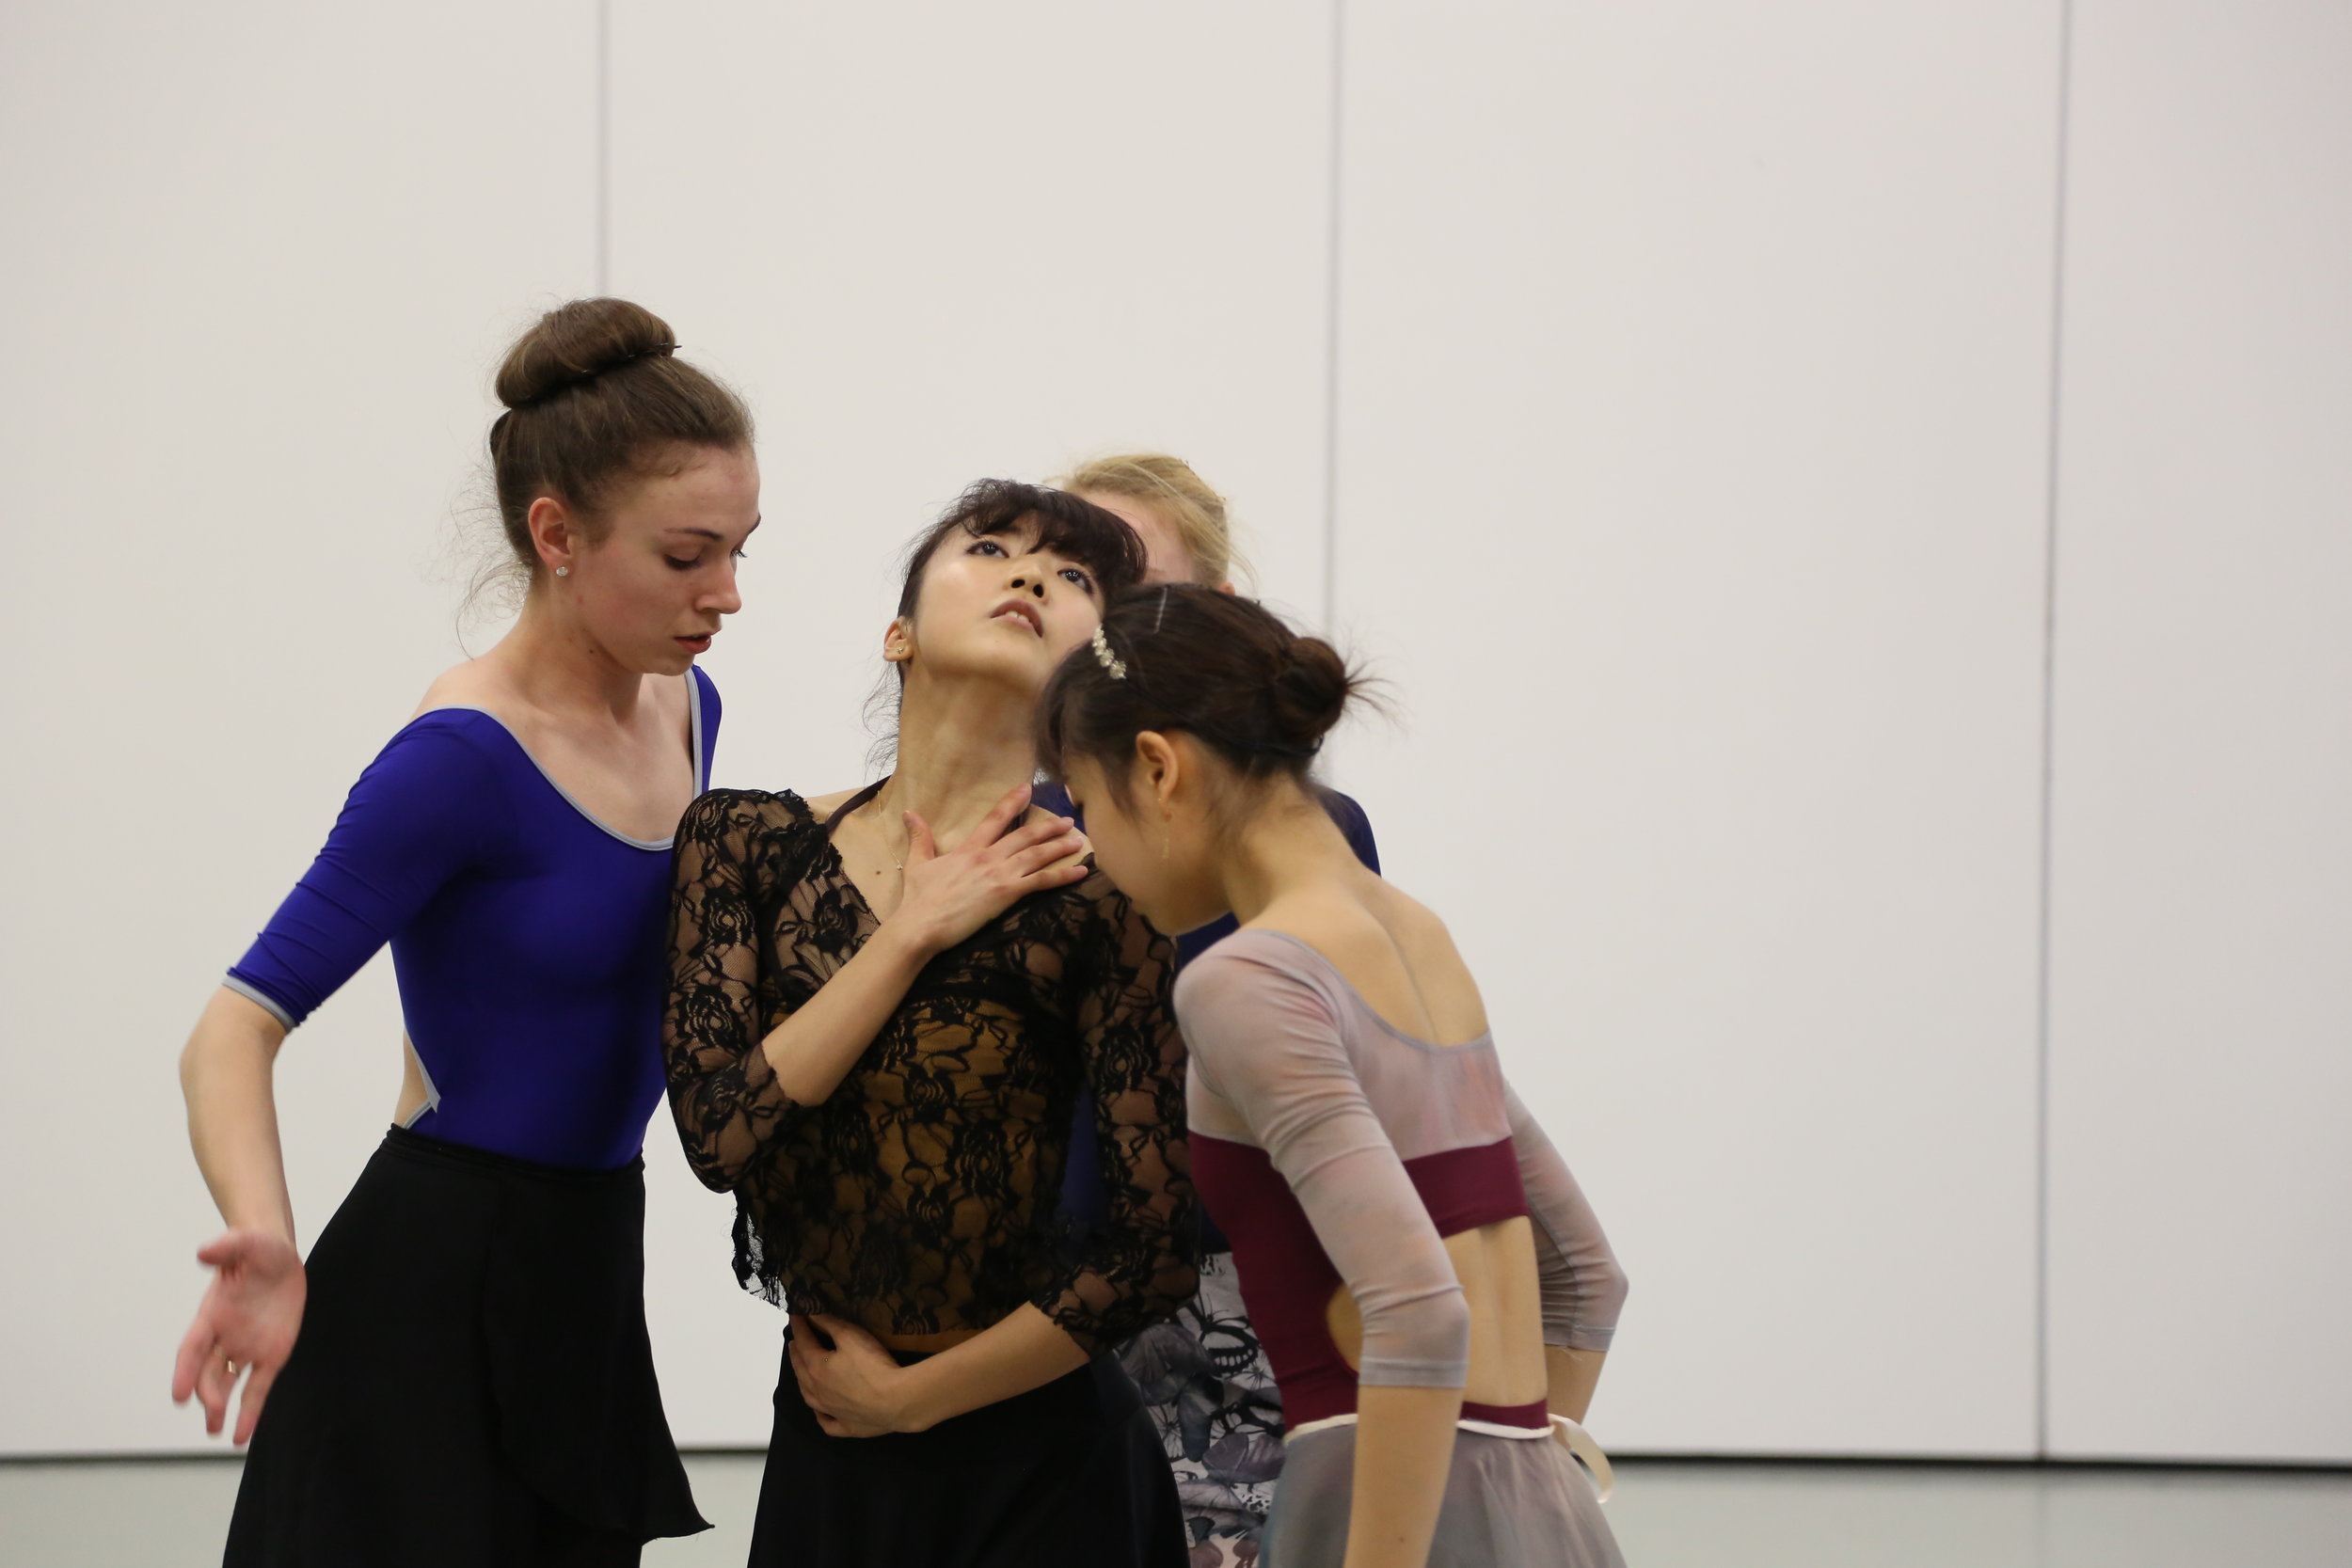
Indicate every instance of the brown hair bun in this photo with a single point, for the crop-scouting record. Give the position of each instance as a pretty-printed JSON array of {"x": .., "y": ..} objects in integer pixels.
[
  {"x": 594, "y": 395},
  {"x": 575, "y": 343}
]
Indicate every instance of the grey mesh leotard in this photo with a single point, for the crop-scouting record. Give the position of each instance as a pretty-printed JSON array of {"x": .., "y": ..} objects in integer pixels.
[{"x": 1341, "y": 1152}]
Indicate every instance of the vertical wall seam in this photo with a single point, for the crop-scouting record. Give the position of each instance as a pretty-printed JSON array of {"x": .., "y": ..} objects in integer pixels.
[
  {"x": 2049, "y": 738},
  {"x": 604, "y": 147},
  {"x": 1331, "y": 329}
]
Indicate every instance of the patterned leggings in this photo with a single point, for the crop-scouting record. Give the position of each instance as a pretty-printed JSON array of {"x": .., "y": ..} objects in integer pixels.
[{"x": 1212, "y": 1395}]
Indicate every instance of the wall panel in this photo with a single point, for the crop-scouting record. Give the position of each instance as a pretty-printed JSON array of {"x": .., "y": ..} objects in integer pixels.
[
  {"x": 1694, "y": 405},
  {"x": 259, "y": 261},
  {"x": 2201, "y": 958}
]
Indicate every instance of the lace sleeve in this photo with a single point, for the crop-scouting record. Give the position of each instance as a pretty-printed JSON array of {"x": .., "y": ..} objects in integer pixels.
[
  {"x": 723, "y": 1091},
  {"x": 1133, "y": 1271},
  {"x": 1581, "y": 1285}
]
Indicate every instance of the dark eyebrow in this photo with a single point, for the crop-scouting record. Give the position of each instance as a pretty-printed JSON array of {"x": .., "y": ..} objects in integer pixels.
[{"x": 713, "y": 533}]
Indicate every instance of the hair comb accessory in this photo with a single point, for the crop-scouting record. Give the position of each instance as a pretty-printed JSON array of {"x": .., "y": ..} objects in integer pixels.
[{"x": 1109, "y": 660}]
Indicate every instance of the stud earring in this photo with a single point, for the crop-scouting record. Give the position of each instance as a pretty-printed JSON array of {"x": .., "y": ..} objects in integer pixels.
[{"x": 563, "y": 571}]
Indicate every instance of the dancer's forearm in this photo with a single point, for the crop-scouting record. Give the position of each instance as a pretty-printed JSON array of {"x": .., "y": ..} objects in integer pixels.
[
  {"x": 815, "y": 1049},
  {"x": 1023, "y": 1350},
  {"x": 1573, "y": 1376},
  {"x": 225, "y": 1073},
  {"x": 1404, "y": 1450}
]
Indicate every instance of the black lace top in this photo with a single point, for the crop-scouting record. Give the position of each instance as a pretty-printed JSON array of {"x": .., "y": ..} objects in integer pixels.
[{"x": 918, "y": 1197}]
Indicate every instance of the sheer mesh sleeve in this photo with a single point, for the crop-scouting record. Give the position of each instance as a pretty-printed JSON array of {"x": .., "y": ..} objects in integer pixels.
[
  {"x": 723, "y": 1090},
  {"x": 427, "y": 808},
  {"x": 1265, "y": 1041},
  {"x": 1133, "y": 1269},
  {"x": 1583, "y": 1289}
]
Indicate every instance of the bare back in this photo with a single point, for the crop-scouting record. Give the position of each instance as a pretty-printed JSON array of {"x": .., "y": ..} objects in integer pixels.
[{"x": 1400, "y": 958}]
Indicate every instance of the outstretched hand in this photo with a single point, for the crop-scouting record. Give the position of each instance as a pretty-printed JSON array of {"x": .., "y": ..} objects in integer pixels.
[
  {"x": 245, "y": 1324},
  {"x": 948, "y": 896}
]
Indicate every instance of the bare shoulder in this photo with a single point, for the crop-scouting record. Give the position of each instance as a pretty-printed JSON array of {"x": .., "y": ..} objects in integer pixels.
[
  {"x": 1411, "y": 924},
  {"x": 822, "y": 806},
  {"x": 472, "y": 684},
  {"x": 483, "y": 683},
  {"x": 1341, "y": 920},
  {"x": 1394, "y": 950}
]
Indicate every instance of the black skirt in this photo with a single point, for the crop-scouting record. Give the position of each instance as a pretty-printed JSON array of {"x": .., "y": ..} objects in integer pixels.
[
  {"x": 472, "y": 1385},
  {"x": 1070, "y": 1473}
]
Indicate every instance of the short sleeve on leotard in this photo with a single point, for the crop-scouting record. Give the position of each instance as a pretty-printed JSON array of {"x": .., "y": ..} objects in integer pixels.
[
  {"x": 426, "y": 809},
  {"x": 1266, "y": 1042}
]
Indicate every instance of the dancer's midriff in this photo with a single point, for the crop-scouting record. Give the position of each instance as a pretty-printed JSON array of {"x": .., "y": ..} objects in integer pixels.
[
  {"x": 927, "y": 1344},
  {"x": 1496, "y": 1265}
]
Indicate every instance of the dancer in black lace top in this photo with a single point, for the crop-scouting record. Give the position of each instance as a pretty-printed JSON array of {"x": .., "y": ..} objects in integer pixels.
[
  {"x": 879, "y": 1048},
  {"x": 912, "y": 1201}
]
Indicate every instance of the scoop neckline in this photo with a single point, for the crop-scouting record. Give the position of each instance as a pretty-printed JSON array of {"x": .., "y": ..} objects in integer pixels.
[
  {"x": 694, "y": 730},
  {"x": 1484, "y": 1037}
]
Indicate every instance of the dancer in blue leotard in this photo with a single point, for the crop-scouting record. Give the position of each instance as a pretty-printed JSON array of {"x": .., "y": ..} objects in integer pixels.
[{"x": 460, "y": 1373}]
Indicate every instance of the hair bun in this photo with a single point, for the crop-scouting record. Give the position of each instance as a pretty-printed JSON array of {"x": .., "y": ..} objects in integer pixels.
[
  {"x": 1308, "y": 693},
  {"x": 576, "y": 342},
  {"x": 1224, "y": 669}
]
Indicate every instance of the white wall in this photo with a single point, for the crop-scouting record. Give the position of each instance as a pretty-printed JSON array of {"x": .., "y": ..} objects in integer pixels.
[
  {"x": 934, "y": 243},
  {"x": 1692, "y": 434},
  {"x": 1692, "y": 444},
  {"x": 2201, "y": 1046},
  {"x": 259, "y": 260}
]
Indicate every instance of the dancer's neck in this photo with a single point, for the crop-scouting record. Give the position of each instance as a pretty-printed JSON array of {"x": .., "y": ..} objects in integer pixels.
[
  {"x": 960, "y": 747},
  {"x": 552, "y": 663},
  {"x": 1289, "y": 846}
]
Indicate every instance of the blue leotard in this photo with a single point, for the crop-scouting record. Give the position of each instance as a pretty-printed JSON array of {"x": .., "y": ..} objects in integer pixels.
[{"x": 526, "y": 936}]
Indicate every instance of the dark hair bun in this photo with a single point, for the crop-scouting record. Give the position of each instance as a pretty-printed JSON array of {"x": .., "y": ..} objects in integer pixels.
[
  {"x": 1308, "y": 693},
  {"x": 576, "y": 342}
]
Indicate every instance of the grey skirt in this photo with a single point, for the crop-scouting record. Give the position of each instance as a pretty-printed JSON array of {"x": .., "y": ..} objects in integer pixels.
[{"x": 1510, "y": 1502}]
